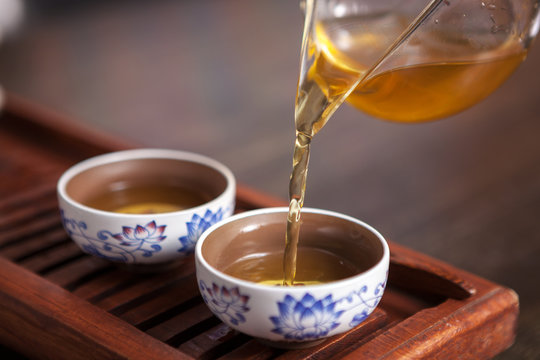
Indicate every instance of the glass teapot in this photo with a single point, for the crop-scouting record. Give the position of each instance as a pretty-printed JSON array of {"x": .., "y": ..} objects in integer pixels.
[{"x": 408, "y": 61}]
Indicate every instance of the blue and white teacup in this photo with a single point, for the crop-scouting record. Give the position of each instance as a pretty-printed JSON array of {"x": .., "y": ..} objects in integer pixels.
[
  {"x": 150, "y": 238},
  {"x": 296, "y": 316}
]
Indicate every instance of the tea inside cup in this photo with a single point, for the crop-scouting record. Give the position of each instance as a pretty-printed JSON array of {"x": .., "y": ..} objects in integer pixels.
[
  {"x": 146, "y": 185},
  {"x": 341, "y": 272}
]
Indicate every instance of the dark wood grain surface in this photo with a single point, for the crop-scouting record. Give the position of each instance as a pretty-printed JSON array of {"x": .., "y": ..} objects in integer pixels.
[{"x": 219, "y": 77}]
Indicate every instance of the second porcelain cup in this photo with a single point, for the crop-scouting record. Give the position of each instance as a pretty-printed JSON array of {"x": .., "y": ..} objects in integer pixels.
[{"x": 296, "y": 316}]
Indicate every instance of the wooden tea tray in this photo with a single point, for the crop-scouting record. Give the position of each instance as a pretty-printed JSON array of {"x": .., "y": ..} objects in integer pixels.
[{"x": 56, "y": 302}]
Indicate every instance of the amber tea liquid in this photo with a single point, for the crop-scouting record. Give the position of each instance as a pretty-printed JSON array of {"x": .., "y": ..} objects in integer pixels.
[
  {"x": 429, "y": 90},
  {"x": 315, "y": 266},
  {"x": 147, "y": 199}
]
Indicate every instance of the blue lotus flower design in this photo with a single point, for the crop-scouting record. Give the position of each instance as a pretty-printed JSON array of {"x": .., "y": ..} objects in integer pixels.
[
  {"x": 226, "y": 303},
  {"x": 308, "y": 318},
  {"x": 144, "y": 239},
  {"x": 196, "y": 227},
  {"x": 136, "y": 235},
  {"x": 139, "y": 239}
]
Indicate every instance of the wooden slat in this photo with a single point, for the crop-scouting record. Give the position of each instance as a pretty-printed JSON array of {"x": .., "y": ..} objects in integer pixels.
[
  {"x": 105, "y": 283},
  {"x": 175, "y": 326},
  {"x": 73, "y": 271},
  {"x": 29, "y": 204},
  {"x": 30, "y": 229},
  {"x": 36, "y": 313},
  {"x": 52, "y": 258},
  {"x": 252, "y": 350},
  {"x": 182, "y": 291},
  {"x": 28, "y": 196},
  {"x": 18, "y": 251},
  {"x": 146, "y": 285},
  {"x": 214, "y": 342}
]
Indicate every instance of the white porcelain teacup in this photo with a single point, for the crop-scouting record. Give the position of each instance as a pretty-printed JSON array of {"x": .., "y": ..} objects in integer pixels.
[
  {"x": 295, "y": 316},
  {"x": 168, "y": 234}
]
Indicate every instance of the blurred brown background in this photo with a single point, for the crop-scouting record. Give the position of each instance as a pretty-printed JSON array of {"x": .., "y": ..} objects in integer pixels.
[{"x": 219, "y": 78}]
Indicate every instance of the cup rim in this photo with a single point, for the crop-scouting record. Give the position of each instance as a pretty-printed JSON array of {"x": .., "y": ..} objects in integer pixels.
[
  {"x": 350, "y": 281},
  {"x": 146, "y": 153}
]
